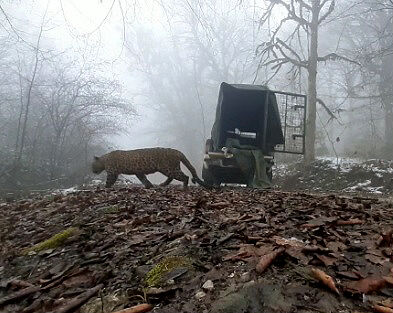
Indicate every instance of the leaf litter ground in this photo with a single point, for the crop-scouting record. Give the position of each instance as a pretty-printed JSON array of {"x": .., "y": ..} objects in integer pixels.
[{"x": 239, "y": 250}]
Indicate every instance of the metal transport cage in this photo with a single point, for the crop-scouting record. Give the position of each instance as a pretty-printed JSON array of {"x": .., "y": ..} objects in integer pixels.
[{"x": 252, "y": 122}]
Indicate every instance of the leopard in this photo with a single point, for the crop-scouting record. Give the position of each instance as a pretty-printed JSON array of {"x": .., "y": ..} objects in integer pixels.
[{"x": 141, "y": 162}]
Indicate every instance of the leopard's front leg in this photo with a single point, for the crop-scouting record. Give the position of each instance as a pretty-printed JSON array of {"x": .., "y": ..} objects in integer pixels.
[{"x": 110, "y": 179}]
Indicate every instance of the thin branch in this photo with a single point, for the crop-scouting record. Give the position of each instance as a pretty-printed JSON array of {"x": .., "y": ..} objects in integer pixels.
[
  {"x": 331, "y": 114},
  {"x": 305, "y": 5},
  {"x": 14, "y": 30},
  {"x": 335, "y": 57},
  {"x": 299, "y": 61},
  {"x": 329, "y": 11}
]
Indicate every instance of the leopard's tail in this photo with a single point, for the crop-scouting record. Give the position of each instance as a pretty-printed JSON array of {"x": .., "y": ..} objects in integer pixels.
[{"x": 195, "y": 179}]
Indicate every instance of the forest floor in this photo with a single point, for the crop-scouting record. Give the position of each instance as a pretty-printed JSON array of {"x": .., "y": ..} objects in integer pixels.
[
  {"x": 346, "y": 175},
  {"x": 226, "y": 250}
]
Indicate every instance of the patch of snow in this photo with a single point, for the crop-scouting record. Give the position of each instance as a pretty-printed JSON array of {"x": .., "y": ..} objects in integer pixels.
[
  {"x": 366, "y": 183},
  {"x": 374, "y": 189},
  {"x": 67, "y": 191}
]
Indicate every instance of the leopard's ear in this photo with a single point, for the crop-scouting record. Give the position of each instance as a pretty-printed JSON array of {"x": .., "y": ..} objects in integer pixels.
[{"x": 96, "y": 158}]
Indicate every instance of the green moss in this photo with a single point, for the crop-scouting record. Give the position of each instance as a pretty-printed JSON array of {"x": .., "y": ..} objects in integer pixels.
[
  {"x": 110, "y": 209},
  {"x": 53, "y": 242},
  {"x": 155, "y": 275}
]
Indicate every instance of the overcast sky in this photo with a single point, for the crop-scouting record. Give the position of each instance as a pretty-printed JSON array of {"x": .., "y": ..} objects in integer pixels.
[{"x": 73, "y": 25}]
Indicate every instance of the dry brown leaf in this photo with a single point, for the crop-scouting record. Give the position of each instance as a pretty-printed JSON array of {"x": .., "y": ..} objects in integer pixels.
[
  {"x": 244, "y": 253},
  {"x": 387, "y": 302},
  {"x": 376, "y": 259},
  {"x": 350, "y": 275},
  {"x": 288, "y": 242},
  {"x": 319, "y": 221},
  {"x": 354, "y": 221},
  {"x": 366, "y": 285},
  {"x": 140, "y": 308},
  {"x": 219, "y": 204},
  {"x": 84, "y": 279},
  {"x": 336, "y": 246},
  {"x": 382, "y": 309},
  {"x": 388, "y": 279},
  {"x": 309, "y": 225},
  {"x": 325, "y": 279},
  {"x": 386, "y": 239},
  {"x": 326, "y": 260},
  {"x": 297, "y": 253},
  {"x": 268, "y": 259}
]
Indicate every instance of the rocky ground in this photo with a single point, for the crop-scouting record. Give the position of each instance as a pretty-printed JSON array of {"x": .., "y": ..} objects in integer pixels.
[{"x": 169, "y": 250}]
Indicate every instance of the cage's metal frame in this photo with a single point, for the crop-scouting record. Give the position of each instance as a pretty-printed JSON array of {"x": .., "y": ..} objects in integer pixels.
[{"x": 285, "y": 119}]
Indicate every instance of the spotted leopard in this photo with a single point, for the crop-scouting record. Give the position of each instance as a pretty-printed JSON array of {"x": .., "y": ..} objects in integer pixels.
[{"x": 141, "y": 162}]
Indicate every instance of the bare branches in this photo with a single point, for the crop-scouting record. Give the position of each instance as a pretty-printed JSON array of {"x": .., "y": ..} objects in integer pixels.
[
  {"x": 328, "y": 12},
  {"x": 278, "y": 51},
  {"x": 281, "y": 45},
  {"x": 14, "y": 29},
  {"x": 292, "y": 14},
  {"x": 336, "y": 57},
  {"x": 331, "y": 114},
  {"x": 305, "y": 5}
]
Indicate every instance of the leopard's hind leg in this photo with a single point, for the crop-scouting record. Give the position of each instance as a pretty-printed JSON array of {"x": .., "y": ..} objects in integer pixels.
[
  {"x": 175, "y": 174},
  {"x": 180, "y": 176},
  {"x": 144, "y": 181}
]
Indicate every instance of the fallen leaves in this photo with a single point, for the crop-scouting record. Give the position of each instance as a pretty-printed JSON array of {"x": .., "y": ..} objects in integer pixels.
[
  {"x": 79, "y": 300},
  {"x": 386, "y": 239},
  {"x": 354, "y": 221},
  {"x": 325, "y": 279},
  {"x": 141, "y": 308},
  {"x": 248, "y": 253},
  {"x": 366, "y": 285},
  {"x": 327, "y": 261},
  {"x": 233, "y": 231},
  {"x": 388, "y": 279},
  {"x": 382, "y": 309},
  {"x": 267, "y": 259},
  {"x": 19, "y": 294},
  {"x": 245, "y": 252}
]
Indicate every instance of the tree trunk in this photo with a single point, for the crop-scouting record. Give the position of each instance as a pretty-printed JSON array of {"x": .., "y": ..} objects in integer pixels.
[
  {"x": 386, "y": 86},
  {"x": 389, "y": 130},
  {"x": 387, "y": 102},
  {"x": 312, "y": 85},
  {"x": 28, "y": 102}
]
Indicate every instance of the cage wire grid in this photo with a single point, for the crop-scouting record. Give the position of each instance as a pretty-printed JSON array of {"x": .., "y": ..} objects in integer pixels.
[{"x": 292, "y": 114}]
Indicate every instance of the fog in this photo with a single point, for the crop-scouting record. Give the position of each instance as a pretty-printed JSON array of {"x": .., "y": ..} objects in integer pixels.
[{"x": 81, "y": 78}]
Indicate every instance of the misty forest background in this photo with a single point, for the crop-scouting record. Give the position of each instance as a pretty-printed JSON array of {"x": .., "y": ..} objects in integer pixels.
[{"x": 78, "y": 80}]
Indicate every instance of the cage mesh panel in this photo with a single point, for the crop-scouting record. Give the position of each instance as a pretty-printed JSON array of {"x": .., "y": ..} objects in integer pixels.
[{"x": 292, "y": 114}]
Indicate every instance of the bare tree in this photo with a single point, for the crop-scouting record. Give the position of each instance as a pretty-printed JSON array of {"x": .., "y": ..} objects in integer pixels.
[
  {"x": 286, "y": 48},
  {"x": 73, "y": 108},
  {"x": 24, "y": 111},
  {"x": 370, "y": 34},
  {"x": 199, "y": 45}
]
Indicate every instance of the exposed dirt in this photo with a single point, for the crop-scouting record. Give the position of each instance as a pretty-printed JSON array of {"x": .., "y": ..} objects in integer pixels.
[{"x": 246, "y": 250}]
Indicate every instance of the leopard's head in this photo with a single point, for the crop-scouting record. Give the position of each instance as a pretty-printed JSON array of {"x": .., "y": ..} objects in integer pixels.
[{"x": 98, "y": 165}]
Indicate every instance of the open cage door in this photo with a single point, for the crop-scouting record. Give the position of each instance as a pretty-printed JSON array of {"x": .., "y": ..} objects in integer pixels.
[{"x": 292, "y": 109}]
